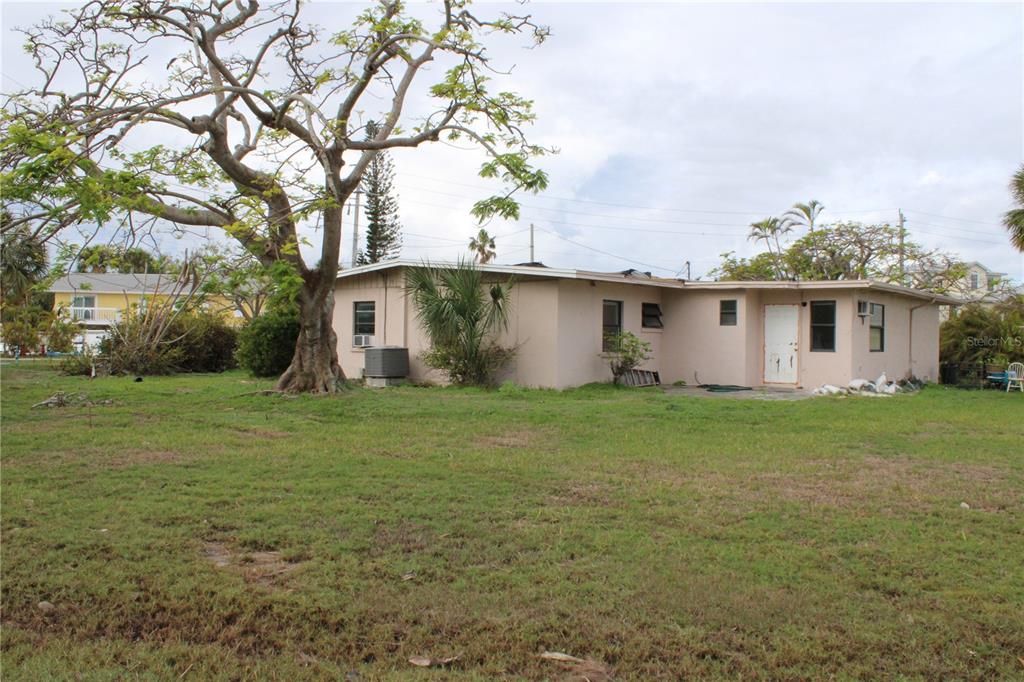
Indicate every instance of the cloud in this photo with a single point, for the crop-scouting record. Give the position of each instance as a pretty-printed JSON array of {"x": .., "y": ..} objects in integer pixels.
[{"x": 680, "y": 123}]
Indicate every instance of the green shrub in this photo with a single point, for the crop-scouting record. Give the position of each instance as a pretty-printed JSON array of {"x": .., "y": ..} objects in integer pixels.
[
  {"x": 462, "y": 313},
  {"x": 82, "y": 364},
  {"x": 206, "y": 341},
  {"x": 628, "y": 352},
  {"x": 190, "y": 342},
  {"x": 61, "y": 332},
  {"x": 267, "y": 344},
  {"x": 984, "y": 333},
  {"x": 20, "y": 329},
  {"x": 133, "y": 347}
]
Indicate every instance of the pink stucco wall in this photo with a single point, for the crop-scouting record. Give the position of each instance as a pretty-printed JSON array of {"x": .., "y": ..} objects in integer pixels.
[
  {"x": 580, "y": 305},
  {"x": 908, "y": 349},
  {"x": 697, "y": 346},
  {"x": 556, "y": 326}
]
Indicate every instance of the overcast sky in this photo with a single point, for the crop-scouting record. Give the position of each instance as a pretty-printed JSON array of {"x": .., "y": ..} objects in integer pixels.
[{"x": 679, "y": 124}]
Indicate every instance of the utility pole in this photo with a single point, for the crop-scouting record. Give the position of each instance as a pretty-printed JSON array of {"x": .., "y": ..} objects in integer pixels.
[
  {"x": 531, "y": 244},
  {"x": 903, "y": 239},
  {"x": 355, "y": 229},
  {"x": 687, "y": 271}
]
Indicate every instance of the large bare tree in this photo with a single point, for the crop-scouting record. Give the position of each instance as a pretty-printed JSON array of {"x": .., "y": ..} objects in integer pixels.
[{"x": 244, "y": 116}]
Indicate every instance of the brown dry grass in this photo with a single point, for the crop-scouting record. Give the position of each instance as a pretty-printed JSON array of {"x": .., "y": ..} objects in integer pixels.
[
  {"x": 514, "y": 439},
  {"x": 260, "y": 433},
  {"x": 265, "y": 568},
  {"x": 106, "y": 458},
  {"x": 582, "y": 494},
  {"x": 404, "y": 537},
  {"x": 883, "y": 484}
]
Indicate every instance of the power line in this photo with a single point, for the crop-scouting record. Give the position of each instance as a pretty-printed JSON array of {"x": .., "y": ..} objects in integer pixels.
[
  {"x": 954, "y": 236},
  {"x": 605, "y": 227},
  {"x": 591, "y": 215},
  {"x": 606, "y": 253},
  {"x": 632, "y": 206},
  {"x": 947, "y": 217}
]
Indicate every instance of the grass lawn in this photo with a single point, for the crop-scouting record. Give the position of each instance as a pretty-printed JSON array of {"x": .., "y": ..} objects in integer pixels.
[{"x": 195, "y": 530}]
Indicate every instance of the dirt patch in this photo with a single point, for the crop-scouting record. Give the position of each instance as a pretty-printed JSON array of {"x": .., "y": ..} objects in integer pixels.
[
  {"x": 582, "y": 494},
  {"x": 578, "y": 669},
  {"x": 261, "y": 433},
  {"x": 406, "y": 538},
  {"x": 875, "y": 482},
  {"x": 886, "y": 483},
  {"x": 661, "y": 474},
  {"x": 267, "y": 568},
  {"x": 103, "y": 458},
  {"x": 122, "y": 459},
  {"x": 512, "y": 439}
]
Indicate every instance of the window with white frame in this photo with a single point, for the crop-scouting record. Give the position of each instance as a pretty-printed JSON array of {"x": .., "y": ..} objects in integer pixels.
[
  {"x": 83, "y": 307},
  {"x": 365, "y": 318}
]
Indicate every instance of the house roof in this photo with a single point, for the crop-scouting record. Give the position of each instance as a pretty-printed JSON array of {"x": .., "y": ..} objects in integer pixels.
[
  {"x": 112, "y": 283},
  {"x": 916, "y": 267},
  {"x": 987, "y": 270},
  {"x": 645, "y": 279}
]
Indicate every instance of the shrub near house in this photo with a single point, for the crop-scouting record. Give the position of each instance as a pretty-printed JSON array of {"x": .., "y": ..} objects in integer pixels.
[{"x": 985, "y": 333}]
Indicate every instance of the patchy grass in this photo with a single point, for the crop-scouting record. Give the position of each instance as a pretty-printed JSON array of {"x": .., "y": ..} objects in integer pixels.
[{"x": 192, "y": 529}]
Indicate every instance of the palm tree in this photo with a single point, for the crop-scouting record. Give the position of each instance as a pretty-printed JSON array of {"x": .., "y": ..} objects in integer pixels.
[
  {"x": 1014, "y": 218},
  {"x": 461, "y": 314},
  {"x": 803, "y": 214},
  {"x": 483, "y": 247},
  {"x": 23, "y": 263},
  {"x": 768, "y": 230}
]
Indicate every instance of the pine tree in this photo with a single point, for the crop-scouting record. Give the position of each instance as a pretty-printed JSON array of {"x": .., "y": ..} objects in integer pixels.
[{"x": 383, "y": 229}]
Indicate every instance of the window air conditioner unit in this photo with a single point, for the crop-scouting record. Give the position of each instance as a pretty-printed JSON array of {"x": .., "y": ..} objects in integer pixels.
[
  {"x": 362, "y": 340},
  {"x": 862, "y": 309}
]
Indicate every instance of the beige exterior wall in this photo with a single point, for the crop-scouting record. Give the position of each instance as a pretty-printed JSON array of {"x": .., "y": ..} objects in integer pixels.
[
  {"x": 392, "y": 323},
  {"x": 556, "y": 324},
  {"x": 580, "y": 313},
  {"x": 697, "y": 346},
  {"x": 533, "y": 331},
  {"x": 532, "y": 328},
  {"x": 909, "y": 348},
  {"x": 826, "y": 367}
]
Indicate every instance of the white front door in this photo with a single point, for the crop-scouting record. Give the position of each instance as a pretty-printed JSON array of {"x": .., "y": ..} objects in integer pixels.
[{"x": 781, "y": 331}]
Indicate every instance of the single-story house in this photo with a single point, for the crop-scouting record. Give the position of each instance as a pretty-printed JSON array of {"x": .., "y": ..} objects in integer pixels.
[{"x": 796, "y": 334}]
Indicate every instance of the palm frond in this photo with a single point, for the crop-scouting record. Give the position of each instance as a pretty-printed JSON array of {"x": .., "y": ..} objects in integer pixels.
[{"x": 1014, "y": 223}]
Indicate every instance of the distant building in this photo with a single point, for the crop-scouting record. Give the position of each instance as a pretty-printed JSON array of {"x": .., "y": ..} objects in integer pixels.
[
  {"x": 98, "y": 300},
  {"x": 981, "y": 284},
  {"x": 978, "y": 285}
]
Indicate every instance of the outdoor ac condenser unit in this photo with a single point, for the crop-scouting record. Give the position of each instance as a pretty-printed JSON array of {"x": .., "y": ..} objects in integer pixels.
[{"x": 386, "y": 362}]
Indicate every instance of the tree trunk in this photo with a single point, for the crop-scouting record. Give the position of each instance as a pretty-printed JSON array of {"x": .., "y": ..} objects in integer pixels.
[{"x": 315, "y": 367}]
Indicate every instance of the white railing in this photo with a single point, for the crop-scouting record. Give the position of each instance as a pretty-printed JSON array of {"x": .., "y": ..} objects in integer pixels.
[{"x": 96, "y": 315}]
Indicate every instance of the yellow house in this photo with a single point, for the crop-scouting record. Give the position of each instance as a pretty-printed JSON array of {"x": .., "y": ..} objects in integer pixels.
[{"x": 98, "y": 300}]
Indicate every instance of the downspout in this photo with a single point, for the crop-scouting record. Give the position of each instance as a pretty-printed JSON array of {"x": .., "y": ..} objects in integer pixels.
[{"x": 385, "y": 335}]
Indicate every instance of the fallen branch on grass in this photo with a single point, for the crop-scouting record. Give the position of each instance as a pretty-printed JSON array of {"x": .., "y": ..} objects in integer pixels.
[{"x": 62, "y": 399}]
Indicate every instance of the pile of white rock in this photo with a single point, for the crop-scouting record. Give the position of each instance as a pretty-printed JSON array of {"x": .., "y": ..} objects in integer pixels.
[{"x": 881, "y": 387}]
